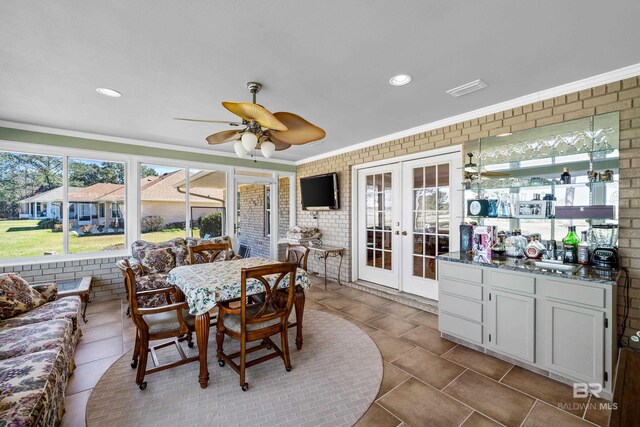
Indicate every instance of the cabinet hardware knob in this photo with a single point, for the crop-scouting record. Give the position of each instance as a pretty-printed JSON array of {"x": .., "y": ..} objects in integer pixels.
[{"x": 404, "y": 233}]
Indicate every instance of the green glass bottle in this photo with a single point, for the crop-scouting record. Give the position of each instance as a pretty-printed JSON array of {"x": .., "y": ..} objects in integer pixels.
[{"x": 571, "y": 243}]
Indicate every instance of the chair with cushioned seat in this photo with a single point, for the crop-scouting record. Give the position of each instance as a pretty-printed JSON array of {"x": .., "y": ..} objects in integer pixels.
[
  {"x": 258, "y": 320},
  {"x": 208, "y": 252},
  {"x": 155, "y": 323}
]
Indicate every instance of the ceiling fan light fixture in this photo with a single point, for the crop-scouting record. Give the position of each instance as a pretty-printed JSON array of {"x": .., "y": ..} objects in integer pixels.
[
  {"x": 267, "y": 148},
  {"x": 400, "y": 80},
  {"x": 249, "y": 141},
  {"x": 112, "y": 93},
  {"x": 238, "y": 147}
]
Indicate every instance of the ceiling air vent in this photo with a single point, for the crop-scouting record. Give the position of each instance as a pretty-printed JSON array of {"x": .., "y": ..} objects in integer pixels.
[{"x": 467, "y": 88}]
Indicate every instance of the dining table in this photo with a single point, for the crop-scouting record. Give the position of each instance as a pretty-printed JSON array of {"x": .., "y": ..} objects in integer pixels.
[{"x": 203, "y": 285}]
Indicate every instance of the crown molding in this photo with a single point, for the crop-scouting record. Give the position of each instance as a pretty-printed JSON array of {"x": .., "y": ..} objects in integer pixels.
[
  {"x": 129, "y": 141},
  {"x": 589, "y": 82}
]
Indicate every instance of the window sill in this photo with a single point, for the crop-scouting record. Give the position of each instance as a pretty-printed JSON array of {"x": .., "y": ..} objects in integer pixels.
[{"x": 46, "y": 259}]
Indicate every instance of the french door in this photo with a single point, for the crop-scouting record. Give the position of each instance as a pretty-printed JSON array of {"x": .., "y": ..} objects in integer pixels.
[{"x": 405, "y": 215}]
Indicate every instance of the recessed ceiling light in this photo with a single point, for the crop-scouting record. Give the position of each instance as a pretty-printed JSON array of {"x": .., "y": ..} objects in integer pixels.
[
  {"x": 108, "y": 92},
  {"x": 505, "y": 134},
  {"x": 400, "y": 79},
  {"x": 467, "y": 88}
]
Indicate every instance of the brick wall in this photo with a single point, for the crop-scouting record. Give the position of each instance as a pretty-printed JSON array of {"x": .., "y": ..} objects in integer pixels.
[
  {"x": 622, "y": 96},
  {"x": 107, "y": 278},
  {"x": 252, "y": 220}
]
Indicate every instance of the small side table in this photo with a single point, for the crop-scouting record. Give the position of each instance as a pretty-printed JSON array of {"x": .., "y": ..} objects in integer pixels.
[
  {"x": 325, "y": 251},
  {"x": 83, "y": 289}
]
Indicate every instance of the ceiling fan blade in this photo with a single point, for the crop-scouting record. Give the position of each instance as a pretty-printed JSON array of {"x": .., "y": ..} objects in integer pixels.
[
  {"x": 224, "y": 136},
  {"x": 300, "y": 131},
  {"x": 209, "y": 121},
  {"x": 279, "y": 145},
  {"x": 255, "y": 112}
]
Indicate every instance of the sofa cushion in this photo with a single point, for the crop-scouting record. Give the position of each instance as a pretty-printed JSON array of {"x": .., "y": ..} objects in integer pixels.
[
  {"x": 36, "y": 337},
  {"x": 48, "y": 290},
  {"x": 159, "y": 260},
  {"x": 178, "y": 244},
  {"x": 65, "y": 308},
  {"x": 149, "y": 282},
  {"x": 16, "y": 296},
  {"x": 32, "y": 388}
]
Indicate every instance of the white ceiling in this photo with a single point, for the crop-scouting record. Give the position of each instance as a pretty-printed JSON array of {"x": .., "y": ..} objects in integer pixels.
[{"x": 329, "y": 62}]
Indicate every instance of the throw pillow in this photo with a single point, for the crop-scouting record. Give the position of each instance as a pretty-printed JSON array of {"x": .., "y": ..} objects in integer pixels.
[
  {"x": 16, "y": 296},
  {"x": 160, "y": 260}
]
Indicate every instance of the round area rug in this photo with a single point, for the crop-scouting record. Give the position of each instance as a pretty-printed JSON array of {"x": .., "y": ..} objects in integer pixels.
[{"x": 335, "y": 378}]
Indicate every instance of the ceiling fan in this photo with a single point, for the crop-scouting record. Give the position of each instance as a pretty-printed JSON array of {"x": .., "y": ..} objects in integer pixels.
[
  {"x": 472, "y": 172},
  {"x": 262, "y": 129}
]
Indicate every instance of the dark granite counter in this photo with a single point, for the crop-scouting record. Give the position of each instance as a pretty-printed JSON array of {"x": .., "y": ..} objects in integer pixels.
[{"x": 586, "y": 273}]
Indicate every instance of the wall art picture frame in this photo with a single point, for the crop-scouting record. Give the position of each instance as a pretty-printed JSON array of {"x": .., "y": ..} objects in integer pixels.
[{"x": 531, "y": 209}]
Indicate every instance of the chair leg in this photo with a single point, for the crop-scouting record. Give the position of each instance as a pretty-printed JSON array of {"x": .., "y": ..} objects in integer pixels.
[
  {"x": 284, "y": 338},
  {"x": 219, "y": 343},
  {"x": 243, "y": 354},
  {"x": 142, "y": 367},
  {"x": 136, "y": 352},
  {"x": 190, "y": 340}
]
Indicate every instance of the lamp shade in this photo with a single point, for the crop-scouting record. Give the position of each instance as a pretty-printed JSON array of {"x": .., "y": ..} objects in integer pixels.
[
  {"x": 249, "y": 141},
  {"x": 268, "y": 148},
  {"x": 239, "y": 149}
]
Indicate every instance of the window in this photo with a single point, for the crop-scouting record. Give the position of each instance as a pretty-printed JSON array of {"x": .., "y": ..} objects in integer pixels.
[
  {"x": 163, "y": 199},
  {"x": 207, "y": 202},
  {"x": 267, "y": 210}
]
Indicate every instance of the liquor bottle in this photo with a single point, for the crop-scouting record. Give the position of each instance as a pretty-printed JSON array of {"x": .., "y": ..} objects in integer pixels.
[
  {"x": 570, "y": 243},
  {"x": 583, "y": 249},
  {"x": 565, "y": 178}
]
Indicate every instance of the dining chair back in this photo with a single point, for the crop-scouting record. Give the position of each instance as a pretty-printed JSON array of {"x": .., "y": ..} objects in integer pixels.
[
  {"x": 208, "y": 252},
  {"x": 260, "y": 319},
  {"x": 297, "y": 254},
  {"x": 168, "y": 321}
]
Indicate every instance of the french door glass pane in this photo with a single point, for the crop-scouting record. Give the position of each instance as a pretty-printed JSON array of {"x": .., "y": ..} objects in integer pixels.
[{"x": 378, "y": 214}]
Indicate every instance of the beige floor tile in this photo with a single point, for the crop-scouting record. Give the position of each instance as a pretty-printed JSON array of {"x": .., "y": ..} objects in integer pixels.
[
  {"x": 553, "y": 392},
  {"x": 97, "y": 333},
  {"x": 102, "y": 318},
  {"x": 390, "y": 347},
  {"x": 318, "y": 294},
  {"x": 425, "y": 318},
  {"x": 376, "y": 416},
  {"x": 598, "y": 411},
  {"x": 393, "y": 325},
  {"x": 372, "y": 300},
  {"x": 349, "y": 292},
  {"x": 98, "y": 350},
  {"x": 364, "y": 326},
  {"x": 429, "y": 339},
  {"x": 491, "y": 398},
  {"x": 546, "y": 415},
  {"x": 479, "y": 362},
  {"x": 86, "y": 376},
  {"x": 75, "y": 408},
  {"x": 364, "y": 312},
  {"x": 428, "y": 367},
  {"x": 339, "y": 303},
  {"x": 479, "y": 420},
  {"x": 417, "y": 404},
  {"x": 391, "y": 378},
  {"x": 310, "y": 304},
  {"x": 102, "y": 306},
  {"x": 399, "y": 310},
  {"x": 334, "y": 312}
]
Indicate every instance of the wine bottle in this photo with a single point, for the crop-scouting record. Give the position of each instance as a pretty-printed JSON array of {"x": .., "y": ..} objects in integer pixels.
[
  {"x": 565, "y": 178},
  {"x": 570, "y": 243}
]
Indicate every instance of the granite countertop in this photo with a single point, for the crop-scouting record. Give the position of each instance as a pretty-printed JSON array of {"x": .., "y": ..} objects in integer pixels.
[{"x": 586, "y": 273}]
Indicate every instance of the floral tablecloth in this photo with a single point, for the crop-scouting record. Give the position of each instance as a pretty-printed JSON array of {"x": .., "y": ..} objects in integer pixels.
[{"x": 204, "y": 284}]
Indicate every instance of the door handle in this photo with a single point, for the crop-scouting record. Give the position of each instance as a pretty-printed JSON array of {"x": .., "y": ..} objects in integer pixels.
[
  {"x": 404, "y": 233},
  {"x": 397, "y": 233}
]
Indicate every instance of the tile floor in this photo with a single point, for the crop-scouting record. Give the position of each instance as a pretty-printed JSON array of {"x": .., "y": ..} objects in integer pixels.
[{"x": 428, "y": 381}]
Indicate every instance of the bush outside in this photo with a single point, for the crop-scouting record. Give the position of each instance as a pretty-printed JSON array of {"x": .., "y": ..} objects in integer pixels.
[
  {"x": 211, "y": 224},
  {"x": 152, "y": 223}
]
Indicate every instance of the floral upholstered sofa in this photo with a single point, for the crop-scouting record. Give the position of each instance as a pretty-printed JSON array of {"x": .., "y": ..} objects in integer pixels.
[
  {"x": 38, "y": 339},
  {"x": 152, "y": 262}
]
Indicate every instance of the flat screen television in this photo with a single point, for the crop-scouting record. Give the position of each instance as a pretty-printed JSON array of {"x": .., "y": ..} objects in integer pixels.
[{"x": 319, "y": 192}]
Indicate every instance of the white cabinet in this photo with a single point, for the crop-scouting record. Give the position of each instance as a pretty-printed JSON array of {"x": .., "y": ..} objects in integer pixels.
[
  {"x": 574, "y": 341},
  {"x": 512, "y": 324}
]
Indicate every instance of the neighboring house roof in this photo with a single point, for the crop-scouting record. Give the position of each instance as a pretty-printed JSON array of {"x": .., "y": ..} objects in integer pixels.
[{"x": 165, "y": 188}]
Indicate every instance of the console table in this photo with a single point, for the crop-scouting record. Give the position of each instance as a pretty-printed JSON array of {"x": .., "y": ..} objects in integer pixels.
[{"x": 325, "y": 251}]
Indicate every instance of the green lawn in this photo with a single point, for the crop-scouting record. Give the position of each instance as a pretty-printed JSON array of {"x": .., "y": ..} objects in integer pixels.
[{"x": 21, "y": 238}]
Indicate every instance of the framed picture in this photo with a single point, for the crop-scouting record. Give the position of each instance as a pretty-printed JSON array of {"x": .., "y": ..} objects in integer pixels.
[{"x": 531, "y": 209}]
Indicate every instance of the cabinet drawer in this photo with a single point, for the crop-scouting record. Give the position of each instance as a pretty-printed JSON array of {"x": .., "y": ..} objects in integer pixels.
[
  {"x": 466, "y": 290},
  {"x": 461, "y": 307},
  {"x": 513, "y": 282},
  {"x": 461, "y": 328},
  {"x": 581, "y": 294},
  {"x": 461, "y": 272}
]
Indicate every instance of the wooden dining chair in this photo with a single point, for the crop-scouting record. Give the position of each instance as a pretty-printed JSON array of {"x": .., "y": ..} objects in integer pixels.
[
  {"x": 297, "y": 254},
  {"x": 257, "y": 321},
  {"x": 168, "y": 321},
  {"x": 208, "y": 252}
]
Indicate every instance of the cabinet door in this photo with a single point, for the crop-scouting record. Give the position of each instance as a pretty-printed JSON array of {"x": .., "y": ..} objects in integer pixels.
[
  {"x": 574, "y": 341},
  {"x": 512, "y": 324}
]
